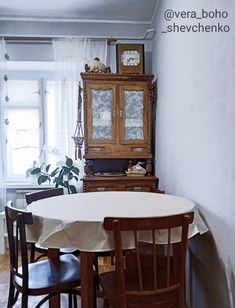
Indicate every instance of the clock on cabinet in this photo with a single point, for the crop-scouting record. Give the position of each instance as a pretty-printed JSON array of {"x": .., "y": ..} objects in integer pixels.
[{"x": 130, "y": 58}]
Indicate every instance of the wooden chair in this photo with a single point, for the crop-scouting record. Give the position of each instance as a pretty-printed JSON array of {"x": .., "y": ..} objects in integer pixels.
[
  {"x": 35, "y": 247},
  {"x": 43, "y": 194},
  {"x": 154, "y": 280},
  {"x": 47, "y": 277}
]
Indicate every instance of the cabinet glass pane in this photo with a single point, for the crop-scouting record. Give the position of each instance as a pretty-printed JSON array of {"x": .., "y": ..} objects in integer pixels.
[
  {"x": 101, "y": 114},
  {"x": 134, "y": 114}
]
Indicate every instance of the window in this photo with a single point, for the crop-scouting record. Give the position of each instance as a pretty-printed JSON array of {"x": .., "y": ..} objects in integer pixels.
[
  {"x": 38, "y": 117},
  {"x": 22, "y": 134},
  {"x": 26, "y": 118}
]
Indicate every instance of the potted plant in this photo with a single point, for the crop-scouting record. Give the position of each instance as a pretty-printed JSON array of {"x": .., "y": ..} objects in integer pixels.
[{"x": 61, "y": 176}]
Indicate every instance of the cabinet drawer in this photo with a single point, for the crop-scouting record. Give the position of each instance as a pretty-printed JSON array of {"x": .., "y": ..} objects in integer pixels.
[
  {"x": 94, "y": 188},
  {"x": 145, "y": 183}
]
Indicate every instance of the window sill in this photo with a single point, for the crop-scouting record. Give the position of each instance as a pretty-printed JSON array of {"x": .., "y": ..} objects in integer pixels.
[{"x": 26, "y": 185}]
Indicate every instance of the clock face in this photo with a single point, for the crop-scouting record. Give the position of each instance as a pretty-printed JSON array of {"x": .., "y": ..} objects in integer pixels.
[{"x": 130, "y": 57}]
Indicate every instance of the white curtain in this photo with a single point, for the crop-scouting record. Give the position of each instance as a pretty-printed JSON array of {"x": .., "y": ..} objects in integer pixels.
[
  {"x": 71, "y": 55},
  {"x": 3, "y": 67}
]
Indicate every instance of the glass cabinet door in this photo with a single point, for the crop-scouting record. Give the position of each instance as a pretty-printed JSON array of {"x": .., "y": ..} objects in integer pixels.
[
  {"x": 101, "y": 114},
  {"x": 133, "y": 115}
]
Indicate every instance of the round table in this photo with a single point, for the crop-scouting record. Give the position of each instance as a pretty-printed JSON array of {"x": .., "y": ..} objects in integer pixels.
[{"x": 76, "y": 220}]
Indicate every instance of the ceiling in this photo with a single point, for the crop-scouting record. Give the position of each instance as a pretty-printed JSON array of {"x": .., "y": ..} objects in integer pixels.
[{"x": 133, "y": 11}]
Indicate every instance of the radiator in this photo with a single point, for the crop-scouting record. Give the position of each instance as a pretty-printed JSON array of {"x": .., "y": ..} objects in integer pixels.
[{"x": 20, "y": 198}]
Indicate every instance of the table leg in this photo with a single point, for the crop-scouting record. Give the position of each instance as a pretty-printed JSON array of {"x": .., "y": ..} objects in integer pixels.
[
  {"x": 54, "y": 302},
  {"x": 87, "y": 290}
]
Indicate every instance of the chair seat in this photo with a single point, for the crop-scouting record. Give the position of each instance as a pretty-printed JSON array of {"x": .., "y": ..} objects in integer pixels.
[
  {"x": 108, "y": 281},
  {"x": 53, "y": 275}
]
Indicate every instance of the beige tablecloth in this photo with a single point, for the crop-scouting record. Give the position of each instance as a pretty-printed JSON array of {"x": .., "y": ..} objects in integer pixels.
[{"x": 76, "y": 220}]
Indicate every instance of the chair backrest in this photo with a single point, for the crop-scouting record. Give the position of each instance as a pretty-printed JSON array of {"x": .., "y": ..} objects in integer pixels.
[
  {"x": 15, "y": 221},
  {"x": 156, "y": 277},
  {"x": 43, "y": 194}
]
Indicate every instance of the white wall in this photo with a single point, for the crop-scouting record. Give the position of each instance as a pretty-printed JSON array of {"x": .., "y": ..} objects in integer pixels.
[{"x": 195, "y": 138}]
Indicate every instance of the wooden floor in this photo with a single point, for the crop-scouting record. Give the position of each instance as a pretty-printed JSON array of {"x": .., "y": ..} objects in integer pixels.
[{"x": 104, "y": 265}]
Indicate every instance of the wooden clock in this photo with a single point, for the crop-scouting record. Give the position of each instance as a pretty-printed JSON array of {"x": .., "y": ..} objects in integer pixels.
[{"x": 130, "y": 58}]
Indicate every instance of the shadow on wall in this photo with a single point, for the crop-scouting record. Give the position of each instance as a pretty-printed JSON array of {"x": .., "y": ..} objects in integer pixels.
[{"x": 207, "y": 285}]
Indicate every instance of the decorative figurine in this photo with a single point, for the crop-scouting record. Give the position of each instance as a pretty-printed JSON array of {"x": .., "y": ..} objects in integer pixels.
[
  {"x": 129, "y": 167},
  {"x": 95, "y": 66}
]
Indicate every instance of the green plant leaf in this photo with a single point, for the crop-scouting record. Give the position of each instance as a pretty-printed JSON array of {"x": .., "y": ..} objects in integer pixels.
[
  {"x": 75, "y": 170},
  {"x": 42, "y": 179},
  {"x": 61, "y": 173},
  {"x": 54, "y": 172},
  {"x": 75, "y": 177},
  {"x": 36, "y": 171},
  {"x": 70, "y": 176},
  {"x": 73, "y": 189},
  {"x": 59, "y": 181},
  {"x": 48, "y": 167},
  {"x": 66, "y": 184},
  {"x": 69, "y": 161},
  {"x": 66, "y": 170}
]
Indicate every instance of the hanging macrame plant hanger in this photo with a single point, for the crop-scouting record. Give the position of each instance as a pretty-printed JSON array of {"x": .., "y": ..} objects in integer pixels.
[{"x": 78, "y": 136}]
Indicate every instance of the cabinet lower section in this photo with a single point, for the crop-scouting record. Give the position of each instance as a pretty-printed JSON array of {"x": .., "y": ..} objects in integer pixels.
[{"x": 122, "y": 183}]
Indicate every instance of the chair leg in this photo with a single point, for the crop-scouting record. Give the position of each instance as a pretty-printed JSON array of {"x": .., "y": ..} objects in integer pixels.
[
  {"x": 24, "y": 303},
  {"x": 106, "y": 303},
  {"x": 12, "y": 295},
  {"x": 112, "y": 258},
  {"x": 96, "y": 266},
  {"x": 70, "y": 300},
  {"x": 95, "y": 283},
  {"x": 75, "y": 304},
  {"x": 32, "y": 252}
]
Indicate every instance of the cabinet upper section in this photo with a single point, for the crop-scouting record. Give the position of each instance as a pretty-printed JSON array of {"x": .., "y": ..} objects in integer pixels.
[{"x": 117, "y": 115}]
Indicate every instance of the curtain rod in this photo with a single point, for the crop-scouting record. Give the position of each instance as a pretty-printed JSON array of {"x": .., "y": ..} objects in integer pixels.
[{"x": 149, "y": 34}]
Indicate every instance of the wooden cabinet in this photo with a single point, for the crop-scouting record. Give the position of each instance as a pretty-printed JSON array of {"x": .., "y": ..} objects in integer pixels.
[
  {"x": 117, "y": 115},
  {"x": 117, "y": 128}
]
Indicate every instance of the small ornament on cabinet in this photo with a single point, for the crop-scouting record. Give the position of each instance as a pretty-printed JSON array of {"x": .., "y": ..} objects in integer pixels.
[
  {"x": 96, "y": 66},
  {"x": 149, "y": 167},
  {"x": 88, "y": 168},
  {"x": 129, "y": 167},
  {"x": 135, "y": 170}
]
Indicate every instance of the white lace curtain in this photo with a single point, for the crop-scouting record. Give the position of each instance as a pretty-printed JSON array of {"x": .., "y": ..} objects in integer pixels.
[
  {"x": 3, "y": 67},
  {"x": 71, "y": 55}
]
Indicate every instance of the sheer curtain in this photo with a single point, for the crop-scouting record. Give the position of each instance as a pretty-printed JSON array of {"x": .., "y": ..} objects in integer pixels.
[
  {"x": 3, "y": 67},
  {"x": 71, "y": 55}
]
